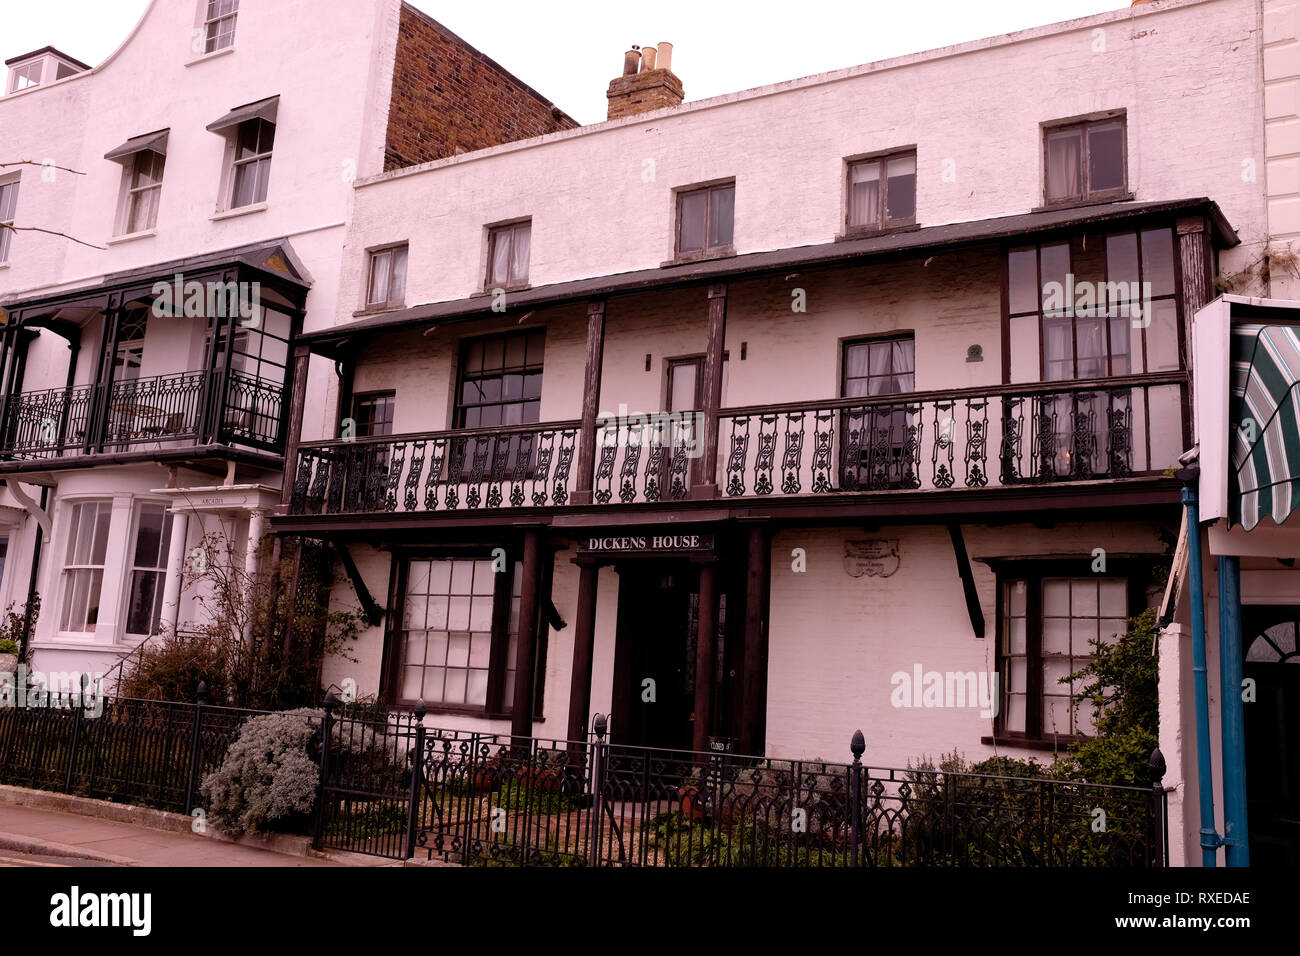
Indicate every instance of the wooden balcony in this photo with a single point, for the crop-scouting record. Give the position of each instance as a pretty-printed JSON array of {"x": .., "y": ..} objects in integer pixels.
[{"x": 1008, "y": 437}]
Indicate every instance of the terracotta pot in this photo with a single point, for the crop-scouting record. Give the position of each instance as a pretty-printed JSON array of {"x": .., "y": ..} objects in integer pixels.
[{"x": 691, "y": 803}]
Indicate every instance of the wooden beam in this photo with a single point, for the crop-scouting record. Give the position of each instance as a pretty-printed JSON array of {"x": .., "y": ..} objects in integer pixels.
[
  {"x": 297, "y": 405},
  {"x": 753, "y": 729},
  {"x": 584, "y": 645},
  {"x": 707, "y": 471},
  {"x": 706, "y": 652},
  {"x": 581, "y": 494},
  {"x": 967, "y": 579},
  {"x": 521, "y": 717},
  {"x": 374, "y": 613}
]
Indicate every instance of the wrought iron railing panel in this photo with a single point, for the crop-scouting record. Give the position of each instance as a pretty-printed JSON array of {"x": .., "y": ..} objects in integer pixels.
[
  {"x": 971, "y": 439},
  {"x": 144, "y": 413},
  {"x": 518, "y": 467}
]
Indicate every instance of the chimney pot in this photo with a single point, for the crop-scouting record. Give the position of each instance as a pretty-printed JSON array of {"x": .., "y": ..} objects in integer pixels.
[
  {"x": 631, "y": 61},
  {"x": 647, "y": 58},
  {"x": 664, "y": 60}
]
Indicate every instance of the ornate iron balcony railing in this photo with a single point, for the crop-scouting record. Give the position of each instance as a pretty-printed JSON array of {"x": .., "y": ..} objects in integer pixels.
[
  {"x": 144, "y": 412},
  {"x": 1053, "y": 432},
  {"x": 514, "y": 466}
]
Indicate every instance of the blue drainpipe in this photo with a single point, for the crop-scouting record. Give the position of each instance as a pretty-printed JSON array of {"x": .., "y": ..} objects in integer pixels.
[
  {"x": 1235, "y": 833},
  {"x": 1210, "y": 839}
]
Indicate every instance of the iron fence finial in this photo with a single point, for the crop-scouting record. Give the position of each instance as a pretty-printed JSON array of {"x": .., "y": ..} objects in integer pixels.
[
  {"x": 1157, "y": 765},
  {"x": 858, "y": 746},
  {"x": 420, "y": 710}
]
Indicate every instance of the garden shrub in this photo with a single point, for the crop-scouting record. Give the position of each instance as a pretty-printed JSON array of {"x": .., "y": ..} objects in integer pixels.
[{"x": 269, "y": 777}]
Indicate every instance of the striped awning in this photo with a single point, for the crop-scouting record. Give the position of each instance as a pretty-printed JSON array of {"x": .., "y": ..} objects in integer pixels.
[{"x": 1264, "y": 423}]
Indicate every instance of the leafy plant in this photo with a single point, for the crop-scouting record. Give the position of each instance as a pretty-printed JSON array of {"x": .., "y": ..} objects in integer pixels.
[
  {"x": 262, "y": 638},
  {"x": 16, "y": 628},
  {"x": 1120, "y": 680}
]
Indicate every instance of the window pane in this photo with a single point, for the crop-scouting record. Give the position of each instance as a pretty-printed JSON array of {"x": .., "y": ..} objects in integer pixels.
[
  {"x": 499, "y": 269},
  {"x": 1024, "y": 348},
  {"x": 1158, "y": 260},
  {"x": 1056, "y": 598},
  {"x": 380, "y": 275},
  {"x": 864, "y": 194},
  {"x": 694, "y": 207},
  {"x": 1064, "y": 164},
  {"x": 1162, "y": 337},
  {"x": 1106, "y": 156},
  {"x": 1056, "y": 635},
  {"x": 1056, "y": 269},
  {"x": 1022, "y": 280},
  {"x": 148, "y": 537},
  {"x": 1114, "y": 598},
  {"x": 722, "y": 207},
  {"x": 520, "y": 247},
  {"x": 901, "y": 191}
]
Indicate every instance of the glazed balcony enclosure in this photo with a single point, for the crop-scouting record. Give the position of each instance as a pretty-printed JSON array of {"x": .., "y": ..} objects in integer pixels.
[
  {"x": 1085, "y": 398},
  {"x": 174, "y": 364}
]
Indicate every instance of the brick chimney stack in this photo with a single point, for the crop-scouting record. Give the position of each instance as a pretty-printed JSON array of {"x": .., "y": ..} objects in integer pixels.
[{"x": 648, "y": 82}]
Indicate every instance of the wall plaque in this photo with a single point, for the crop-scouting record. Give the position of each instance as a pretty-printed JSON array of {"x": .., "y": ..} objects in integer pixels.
[{"x": 874, "y": 557}]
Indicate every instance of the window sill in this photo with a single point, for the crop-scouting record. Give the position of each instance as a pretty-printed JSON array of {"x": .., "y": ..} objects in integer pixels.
[
  {"x": 1081, "y": 203},
  {"x": 451, "y": 711},
  {"x": 239, "y": 211},
  {"x": 492, "y": 290},
  {"x": 861, "y": 232},
  {"x": 205, "y": 57},
  {"x": 132, "y": 236},
  {"x": 718, "y": 252},
  {"x": 1060, "y": 742},
  {"x": 379, "y": 309}
]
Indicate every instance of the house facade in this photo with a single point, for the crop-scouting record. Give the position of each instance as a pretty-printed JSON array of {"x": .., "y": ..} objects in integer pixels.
[
  {"x": 870, "y": 422},
  {"x": 176, "y": 216}
]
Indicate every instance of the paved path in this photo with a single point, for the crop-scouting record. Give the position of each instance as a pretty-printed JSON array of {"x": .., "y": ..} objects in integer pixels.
[{"x": 48, "y": 834}]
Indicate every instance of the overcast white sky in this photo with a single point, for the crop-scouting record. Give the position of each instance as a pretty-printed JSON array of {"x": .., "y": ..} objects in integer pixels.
[{"x": 569, "y": 50}]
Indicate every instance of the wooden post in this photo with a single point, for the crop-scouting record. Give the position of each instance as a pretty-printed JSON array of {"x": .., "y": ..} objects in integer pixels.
[
  {"x": 753, "y": 729},
  {"x": 1197, "y": 264},
  {"x": 584, "y": 645},
  {"x": 521, "y": 718},
  {"x": 298, "y": 402},
  {"x": 590, "y": 403},
  {"x": 707, "y": 486},
  {"x": 706, "y": 652}
]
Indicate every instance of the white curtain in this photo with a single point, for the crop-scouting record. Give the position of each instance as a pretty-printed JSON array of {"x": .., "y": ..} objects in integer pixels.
[
  {"x": 1064, "y": 164},
  {"x": 519, "y": 250},
  {"x": 864, "y": 194}
]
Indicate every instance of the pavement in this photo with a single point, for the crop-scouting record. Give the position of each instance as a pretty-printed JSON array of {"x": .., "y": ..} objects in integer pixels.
[{"x": 29, "y": 834}]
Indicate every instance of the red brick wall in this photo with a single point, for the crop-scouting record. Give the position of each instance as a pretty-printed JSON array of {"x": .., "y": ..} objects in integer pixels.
[{"x": 449, "y": 97}]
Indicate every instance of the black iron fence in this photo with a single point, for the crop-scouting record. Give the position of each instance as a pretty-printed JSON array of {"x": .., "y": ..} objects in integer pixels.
[
  {"x": 394, "y": 788},
  {"x": 490, "y": 799},
  {"x": 144, "y": 752}
]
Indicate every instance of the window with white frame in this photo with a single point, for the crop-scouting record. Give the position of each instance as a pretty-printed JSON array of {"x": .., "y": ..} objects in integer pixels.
[
  {"x": 219, "y": 24},
  {"x": 387, "y": 285},
  {"x": 26, "y": 75},
  {"x": 83, "y": 564},
  {"x": 252, "y": 162},
  {"x": 8, "y": 209},
  {"x": 144, "y": 188},
  {"x": 148, "y": 569}
]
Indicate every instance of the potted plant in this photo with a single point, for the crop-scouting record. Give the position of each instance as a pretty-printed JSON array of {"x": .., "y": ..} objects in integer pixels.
[{"x": 8, "y": 655}]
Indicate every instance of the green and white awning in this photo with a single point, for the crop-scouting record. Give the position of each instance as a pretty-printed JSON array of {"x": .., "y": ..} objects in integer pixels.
[{"x": 1265, "y": 424}]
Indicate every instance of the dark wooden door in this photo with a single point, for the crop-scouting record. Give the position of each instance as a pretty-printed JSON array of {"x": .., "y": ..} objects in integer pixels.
[
  {"x": 1272, "y": 727},
  {"x": 654, "y": 666}
]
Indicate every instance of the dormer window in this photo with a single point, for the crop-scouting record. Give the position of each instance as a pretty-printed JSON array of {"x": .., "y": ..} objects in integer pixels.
[
  {"x": 46, "y": 65},
  {"x": 28, "y": 74}
]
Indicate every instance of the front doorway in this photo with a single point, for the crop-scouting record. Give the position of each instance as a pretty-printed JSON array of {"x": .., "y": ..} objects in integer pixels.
[
  {"x": 1272, "y": 728},
  {"x": 655, "y": 656}
]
